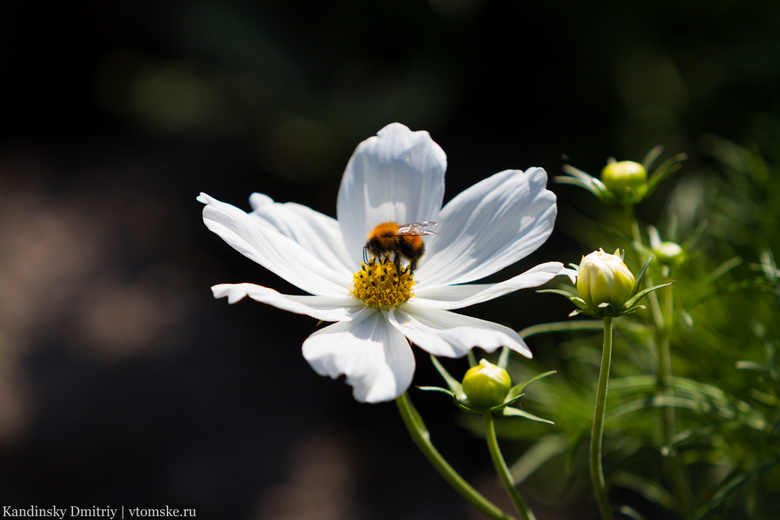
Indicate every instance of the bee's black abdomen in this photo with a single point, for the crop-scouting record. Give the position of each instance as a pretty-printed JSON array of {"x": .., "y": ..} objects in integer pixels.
[{"x": 409, "y": 251}]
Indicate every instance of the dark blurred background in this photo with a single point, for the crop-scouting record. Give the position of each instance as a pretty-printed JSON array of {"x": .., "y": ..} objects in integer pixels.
[{"x": 122, "y": 381}]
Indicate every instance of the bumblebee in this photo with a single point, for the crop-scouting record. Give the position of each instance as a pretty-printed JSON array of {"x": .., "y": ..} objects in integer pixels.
[{"x": 390, "y": 239}]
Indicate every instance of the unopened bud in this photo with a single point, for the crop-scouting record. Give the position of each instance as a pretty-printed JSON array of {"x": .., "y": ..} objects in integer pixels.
[
  {"x": 486, "y": 385},
  {"x": 604, "y": 278},
  {"x": 669, "y": 253},
  {"x": 624, "y": 178}
]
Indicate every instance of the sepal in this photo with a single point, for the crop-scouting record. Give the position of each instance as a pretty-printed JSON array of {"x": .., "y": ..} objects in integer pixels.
[
  {"x": 517, "y": 391},
  {"x": 516, "y": 412},
  {"x": 584, "y": 180},
  {"x": 455, "y": 388},
  {"x": 631, "y": 305},
  {"x": 666, "y": 168},
  {"x": 575, "y": 299}
]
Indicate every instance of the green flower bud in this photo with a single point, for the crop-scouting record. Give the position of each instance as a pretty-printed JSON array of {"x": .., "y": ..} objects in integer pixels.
[
  {"x": 669, "y": 253},
  {"x": 486, "y": 385},
  {"x": 625, "y": 178},
  {"x": 604, "y": 278}
]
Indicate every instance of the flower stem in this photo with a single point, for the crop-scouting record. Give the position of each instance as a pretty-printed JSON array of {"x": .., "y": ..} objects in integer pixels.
[
  {"x": 596, "y": 470},
  {"x": 672, "y": 463},
  {"x": 417, "y": 429},
  {"x": 633, "y": 223},
  {"x": 502, "y": 469}
]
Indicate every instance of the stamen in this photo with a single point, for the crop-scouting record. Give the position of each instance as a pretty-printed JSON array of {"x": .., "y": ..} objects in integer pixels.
[{"x": 381, "y": 284}]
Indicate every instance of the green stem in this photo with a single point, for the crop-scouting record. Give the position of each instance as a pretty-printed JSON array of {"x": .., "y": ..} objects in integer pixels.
[
  {"x": 596, "y": 469},
  {"x": 662, "y": 317},
  {"x": 633, "y": 223},
  {"x": 672, "y": 463},
  {"x": 414, "y": 423},
  {"x": 502, "y": 469}
]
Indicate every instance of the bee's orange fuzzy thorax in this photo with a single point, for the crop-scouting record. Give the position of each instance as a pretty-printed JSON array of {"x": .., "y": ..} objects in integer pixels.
[{"x": 384, "y": 230}]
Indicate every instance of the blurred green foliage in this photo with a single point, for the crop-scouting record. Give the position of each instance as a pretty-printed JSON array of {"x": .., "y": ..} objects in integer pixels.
[{"x": 702, "y": 441}]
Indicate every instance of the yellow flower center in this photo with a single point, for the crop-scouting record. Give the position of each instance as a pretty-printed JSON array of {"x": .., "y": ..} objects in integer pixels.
[{"x": 382, "y": 285}]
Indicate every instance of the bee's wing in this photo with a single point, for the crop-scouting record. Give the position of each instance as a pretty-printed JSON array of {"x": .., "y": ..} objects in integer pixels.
[{"x": 417, "y": 228}]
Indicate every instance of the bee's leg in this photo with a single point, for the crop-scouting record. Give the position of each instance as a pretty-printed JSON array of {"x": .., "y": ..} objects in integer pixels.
[
  {"x": 412, "y": 265},
  {"x": 365, "y": 255},
  {"x": 397, "y": 262}
]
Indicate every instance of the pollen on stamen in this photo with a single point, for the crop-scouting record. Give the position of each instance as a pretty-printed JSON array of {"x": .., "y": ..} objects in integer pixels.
[{"x": 382, "y": 284}]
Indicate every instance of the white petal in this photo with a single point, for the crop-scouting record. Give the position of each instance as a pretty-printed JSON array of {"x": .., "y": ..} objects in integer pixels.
[
  {"x": 571, "y": 273},
  {"x": 489, "y": 226},
  {"x": 459, "y": 296},
  {"x": 314, "y": 231},
  {"x": 376, "y": 358},
  {"x": 320, "y": 307},
  {"x": 397, "y": 176},
  {"x": 444, "y": 333},
  {"x": 268, "y": 247}
]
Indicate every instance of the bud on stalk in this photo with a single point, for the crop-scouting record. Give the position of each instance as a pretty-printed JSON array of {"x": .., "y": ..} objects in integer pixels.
[
  {"x": 486, "y": 385},
  {"x": 603, "y": 278}
]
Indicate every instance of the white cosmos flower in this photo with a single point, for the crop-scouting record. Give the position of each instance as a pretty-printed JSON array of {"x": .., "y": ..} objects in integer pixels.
[{"x": 396, "y": 176}]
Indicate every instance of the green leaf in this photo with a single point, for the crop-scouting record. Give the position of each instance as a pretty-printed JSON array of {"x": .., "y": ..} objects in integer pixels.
[
  {"x": 576, "y": 300},
  {"x": 575, "y": 182},
  {"x": 632, "y": 310},
  {"x": 436, "y": 389},
  {"x": 584, "y": 180},
  {"x": 755, "y": 367},
  {"x": 503, "y": 357},
  {"x": 508, "y": 401},
  {"x": 641, "y": 294},
  {"x": 641, "y": 273},
  {"x": 472, "y": 358},
  {"x": 516, "y": 412},
  {"x": 630, "y": 512},
  {"x": 649, "y": 489},
  {"x": 687, "y": 436},
  {"x": 452, "y": 383},
  {"x": 733, "y": 484},
  {"x": 562, "y": 326},
  {"x": 564, "y": 293},
  {"x": 651, "y": 156},
  {"x": 463, "y": 405},
  {"x": 667, "y": 168},
  {"x": 689, "y": 394},
  {"x": 578, "y": 174},
  {"x": 534, "y": 457},
  {"x": 654, "y": 401},
  {"x": 516, "y": 391}
]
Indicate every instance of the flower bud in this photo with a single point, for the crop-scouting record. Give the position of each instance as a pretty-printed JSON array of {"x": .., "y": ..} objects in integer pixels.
[
  {"x": 624, "y": 177},
  {"x": 669, "y": 253},
  {"x": 604, "y": 278},
  {"x": 486, "y": 385}
]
